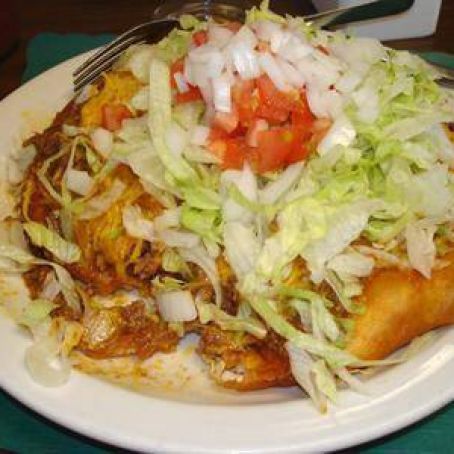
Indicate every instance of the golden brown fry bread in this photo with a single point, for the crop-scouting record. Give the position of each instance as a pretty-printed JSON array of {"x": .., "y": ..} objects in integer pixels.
[{"x": 401, "y": 305}]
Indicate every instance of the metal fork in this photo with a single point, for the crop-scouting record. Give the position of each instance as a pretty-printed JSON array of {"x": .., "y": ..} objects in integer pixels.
[{"x": 104, "y": 58}]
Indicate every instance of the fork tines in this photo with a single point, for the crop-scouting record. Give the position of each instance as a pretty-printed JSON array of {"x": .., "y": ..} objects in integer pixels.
[{"x": 102, "y": 60}]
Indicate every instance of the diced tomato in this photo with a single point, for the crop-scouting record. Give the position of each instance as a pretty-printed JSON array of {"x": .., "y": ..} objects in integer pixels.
[
  {"x": 231, "y": 152},
  {"x": 271, "y": 96},
  {"x": 200, "y": 38},
  {"x": 302, "y": 121},
  {"x": 245, "y": 102},
  {"x": 193, "y": 94},
  {"x": 235, "y": 155},
  {"x": 302, "y": 116},
  {"x": 299, "y": 152},
  {"x": 113, "y": 116},
  {"x": 218, "y": 147},
  {"x": 274, "y": 146},
  {"x": 217, "y": 134},
  {"x": 226, "y": 121},
  {"x": 274, "y": 115}
]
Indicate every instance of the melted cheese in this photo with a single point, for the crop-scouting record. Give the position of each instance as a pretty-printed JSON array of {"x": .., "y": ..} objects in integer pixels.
[{"x": 118, "y": 88}]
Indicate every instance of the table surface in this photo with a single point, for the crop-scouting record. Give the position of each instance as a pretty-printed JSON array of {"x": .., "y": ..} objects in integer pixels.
[{"x": 114, "y": 16}]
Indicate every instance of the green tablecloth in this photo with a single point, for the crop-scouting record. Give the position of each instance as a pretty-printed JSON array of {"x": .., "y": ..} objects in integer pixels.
[{"x": 23, "y": 431}]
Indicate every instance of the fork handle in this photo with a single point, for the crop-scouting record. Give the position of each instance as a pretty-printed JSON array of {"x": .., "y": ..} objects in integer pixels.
[{"x": 350, "y": 14}]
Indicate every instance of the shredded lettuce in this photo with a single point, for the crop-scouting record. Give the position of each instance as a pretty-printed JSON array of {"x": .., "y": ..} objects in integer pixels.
[
  {"x": 174, "y": 46},
  {"x": 207, "y": 224},
  {"x": 36, "y": 311},
  {"x": 242, "y": 247},
  {"x": 188, "y": 114},
  {"x": 334, "y": 356},
  {"x": 210, "y": 312},
  {"x": 346, "y": 225},
  {"x": 172, "y": 262},
  {"x": 41, "y": 236},
  {"x": 263, "y": 12},
  {"x": 100, "y": 204},
  {"x": 199, "y": 256},
  {"x": 325, "y": 380},
  {"x": 201, "y": 197},
  {"x": 190, "y": 22},
  {"x": 160, "y": 119},
  {"x": 23, "y": 258},
  {"x": 316, "y": 316},
  {"x": 302, "y": 365}
]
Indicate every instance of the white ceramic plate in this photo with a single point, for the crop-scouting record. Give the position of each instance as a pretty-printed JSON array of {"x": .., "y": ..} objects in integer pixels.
[{"x": 197, "y": 418}]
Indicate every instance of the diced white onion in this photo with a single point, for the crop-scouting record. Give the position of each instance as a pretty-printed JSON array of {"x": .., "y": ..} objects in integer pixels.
[
  {"x": 79, "y": 181},
  {"x": 245, "y": 36},
  {"x": 348, "y": 82},
  {"x": 359, "y": 51},
  {"x": 277, "y": 39},
  {"x": 317, "y": 73},
  {"x": 293, "y": 76},
  {"x": 292, "y": 48},
  {"x": 270, "y": 66},
  {"x": 219, "y": 36},
  {"x": 177, "y": 306},
  {"x": 200, "y": 135},
  {"x": 324, "y": 103},
  {"x": 102, "y": 141},
  {"x": 265, "y": 29},
  {"x": 221, "y": 94},
  {"x": 181, "y": 83},
  {"x": 208, "y": 59},
  {"x": 244, "y": 60},
  {"x": 207, "y": 93},
  {"x": 342, "y": 133}
]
